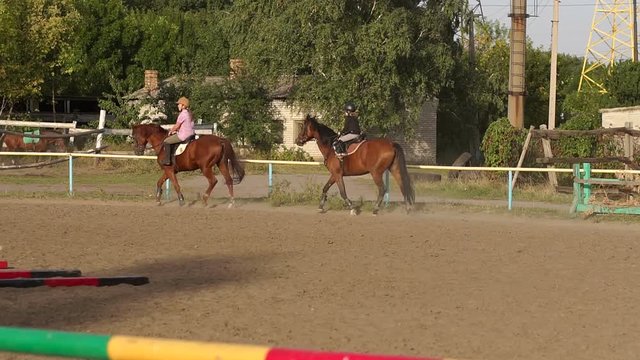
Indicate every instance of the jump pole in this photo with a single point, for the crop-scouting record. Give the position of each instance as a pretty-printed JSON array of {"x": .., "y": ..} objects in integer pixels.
[
  {"x": 27, "y": 274},
  {"x": 74, "y": 281},
  {"x": 107, "y": 347}
]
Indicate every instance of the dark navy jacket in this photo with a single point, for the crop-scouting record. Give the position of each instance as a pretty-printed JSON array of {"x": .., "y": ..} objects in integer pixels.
[{"x": 351, "y": 126}]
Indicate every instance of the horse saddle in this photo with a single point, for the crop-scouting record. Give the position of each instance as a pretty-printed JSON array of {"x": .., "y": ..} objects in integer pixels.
[
  {"x": 183, "y": 145},
  {"x": 346, "y": 148},
  {"x": 31, "y": 140}
]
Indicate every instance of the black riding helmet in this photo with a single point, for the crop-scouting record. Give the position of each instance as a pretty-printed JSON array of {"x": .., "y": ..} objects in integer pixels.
[{"x": 350, "y": 107}]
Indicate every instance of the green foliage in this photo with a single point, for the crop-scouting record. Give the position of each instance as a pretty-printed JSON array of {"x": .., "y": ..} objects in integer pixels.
[
  {"x": 207, "y": 100},
  {"x": 35, "y": 43},
  {"x": 283, "y": 194},
  {"x": 585, "y": 105},
  {"x": 624, "y": 83},
  {"x": 249, "y": 115},
  {"x": 104, "y": 47},
  {"x": 125, "y": 111},
  {"x": 577, "y": 146},
  {"x": 582, "y": 112},
  {"x": 502, "y": 143},
  {"x": 283, "y": 153},
  {"x": 388, "y": 57}
]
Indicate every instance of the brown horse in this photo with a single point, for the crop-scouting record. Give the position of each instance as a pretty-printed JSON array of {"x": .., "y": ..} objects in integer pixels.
[
  {"x": 52, "y": 141},
  {"x": 373, "y": 156},
  {"x": 203, "y": 154}
]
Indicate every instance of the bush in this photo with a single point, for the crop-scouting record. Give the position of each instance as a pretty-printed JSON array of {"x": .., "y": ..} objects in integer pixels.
[{"x": 502, "y": 143}]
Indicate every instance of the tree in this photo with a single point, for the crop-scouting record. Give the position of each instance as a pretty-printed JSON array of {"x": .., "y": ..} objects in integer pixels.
[
  {"x": 35, "y": 45},
  {"x": 249, "y": 114},
  {"x": 388, "y": 56},
  {"x": 476, "y": 94},
  {"x": 624, "y": 83},
  {"x": 106, "y": 43}
]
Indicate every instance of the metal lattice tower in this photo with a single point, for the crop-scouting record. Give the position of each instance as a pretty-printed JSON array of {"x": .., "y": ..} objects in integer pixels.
[{"x": 611, "y": 40}]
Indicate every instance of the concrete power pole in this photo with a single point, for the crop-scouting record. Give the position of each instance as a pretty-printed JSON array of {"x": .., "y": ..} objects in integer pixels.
[
  {"x": 554, "y": 65},
  {"x": 517, "y": 86}
]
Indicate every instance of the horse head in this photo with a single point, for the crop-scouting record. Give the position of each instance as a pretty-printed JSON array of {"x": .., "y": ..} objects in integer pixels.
[
  {"x": 312, "y": 129},
  {"x": 309, "y": 130},
  {"x": 59, "y": 145},
  {"x": 140, "y": 138}
]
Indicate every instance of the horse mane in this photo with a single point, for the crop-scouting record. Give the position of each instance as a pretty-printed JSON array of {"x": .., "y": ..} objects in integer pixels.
[
  {"x": 153, "y": 127},
  {"x": 326, "y": 133}
]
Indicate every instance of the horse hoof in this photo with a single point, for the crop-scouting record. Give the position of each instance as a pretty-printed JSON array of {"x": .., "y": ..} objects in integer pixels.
[
  {"x": 353, "y": 212},
  {"x": 230, "y": 206}
]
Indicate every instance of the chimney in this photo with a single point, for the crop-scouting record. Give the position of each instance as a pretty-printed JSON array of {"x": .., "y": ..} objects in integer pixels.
[
  {"x": 237, "y": 67},
  {"x": 151, "y": 80}
]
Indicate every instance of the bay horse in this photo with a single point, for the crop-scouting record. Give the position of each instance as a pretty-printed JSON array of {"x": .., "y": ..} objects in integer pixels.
[
  {"x": 373, "y": 156},
  {"x": 13, "y": 142},
  {"x": 202, "y": 153}
]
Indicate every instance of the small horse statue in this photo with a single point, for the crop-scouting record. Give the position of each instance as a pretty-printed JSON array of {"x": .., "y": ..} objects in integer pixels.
[
  {"x": 202, "y": 153},
  {"x": 373, "y": 156}
]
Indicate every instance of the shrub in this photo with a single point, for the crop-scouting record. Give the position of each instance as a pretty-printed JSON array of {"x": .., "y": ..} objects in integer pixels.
[{"x": 502, "y": 143}]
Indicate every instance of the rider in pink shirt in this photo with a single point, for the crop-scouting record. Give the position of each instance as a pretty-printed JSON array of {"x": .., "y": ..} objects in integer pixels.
[{"x": 180, "y": 131}]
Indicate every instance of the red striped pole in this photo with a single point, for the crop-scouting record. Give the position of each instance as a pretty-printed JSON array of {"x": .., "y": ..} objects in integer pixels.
[
  {"x": 15, "y": 274},
  {"x": 75, "y": 281}
]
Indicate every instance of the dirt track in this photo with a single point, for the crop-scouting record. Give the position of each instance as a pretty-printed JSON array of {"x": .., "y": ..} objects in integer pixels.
[{"x": 467, "y": 286}]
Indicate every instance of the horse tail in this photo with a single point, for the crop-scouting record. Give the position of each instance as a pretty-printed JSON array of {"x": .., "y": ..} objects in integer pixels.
[
  {"x": 400, "y": 163},
  {"x": 229, "y": 157}
]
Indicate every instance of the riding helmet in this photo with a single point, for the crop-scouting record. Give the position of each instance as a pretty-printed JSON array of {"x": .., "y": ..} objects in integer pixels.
[
  {"x": 184, "y": 101},
  {"x": 350, "y": 107}
]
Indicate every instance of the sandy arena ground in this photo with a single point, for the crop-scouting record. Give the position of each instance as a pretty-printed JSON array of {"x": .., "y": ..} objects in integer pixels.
[{"x": 438, "y": 283}]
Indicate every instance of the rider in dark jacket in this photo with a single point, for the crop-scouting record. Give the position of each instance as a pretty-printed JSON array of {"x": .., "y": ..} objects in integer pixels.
[{"x": 350, "y": 131}]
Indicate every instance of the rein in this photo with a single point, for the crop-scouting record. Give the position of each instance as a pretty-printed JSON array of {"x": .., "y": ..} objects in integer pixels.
[{"x": 157, "y": 147}]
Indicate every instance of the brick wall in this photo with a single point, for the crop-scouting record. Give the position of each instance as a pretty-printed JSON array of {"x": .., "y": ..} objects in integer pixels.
[
  {"x": 421, "y": 148},
  {"x": 292, "y": 119}
]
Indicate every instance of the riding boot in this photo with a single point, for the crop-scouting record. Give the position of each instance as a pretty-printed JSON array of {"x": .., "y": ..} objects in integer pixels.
[
  {"x": 340, "y": 148},
  {"x": 167, "y": 155}
]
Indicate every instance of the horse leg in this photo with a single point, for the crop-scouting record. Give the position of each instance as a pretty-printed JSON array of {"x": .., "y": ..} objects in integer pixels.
[
  {"x": 172, "y": 176},
  {"x": 325, "y": 189},
  {"x": 343, "y": 193},
  {"x": 208, "y": 173},
  {"x": 159, "y": 184},
  {"x": 228, "y": 180},
  {"x": 377, "y": 178}
]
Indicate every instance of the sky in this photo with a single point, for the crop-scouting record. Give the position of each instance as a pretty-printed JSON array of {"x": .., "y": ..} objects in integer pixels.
[{"x": 574, "y": 24}]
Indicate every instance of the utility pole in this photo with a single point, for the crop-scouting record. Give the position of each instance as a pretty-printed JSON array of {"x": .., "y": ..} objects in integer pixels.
[
  {"x": 554, "y": 65},
  {"x": 634, "y": 32},
  {"x": 518, "y": 47}
]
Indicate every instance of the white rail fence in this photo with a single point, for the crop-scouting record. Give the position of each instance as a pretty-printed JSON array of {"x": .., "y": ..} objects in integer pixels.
[
  {"x": 210, "y": 129},
  {"x": 509, "y": 170}
]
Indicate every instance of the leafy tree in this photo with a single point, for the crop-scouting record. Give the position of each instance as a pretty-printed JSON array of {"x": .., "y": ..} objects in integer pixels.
[
  {"x": 35, "y": 45},
  {"x": 476, "y": 94},
  {"x": 624, "y": 83},
  {"x": 126, "y": 112},
  {"x": 182, "y": 5},
  {"x": 387, "y": 56},
  {"x": 206, "y": 51},
  {"x": 105, "y": 46},
  {"x": 249, "y": 115}
]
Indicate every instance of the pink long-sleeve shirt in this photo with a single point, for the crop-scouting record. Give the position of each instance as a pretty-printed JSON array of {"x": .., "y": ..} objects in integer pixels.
[{"x": 186, "y": 124}]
